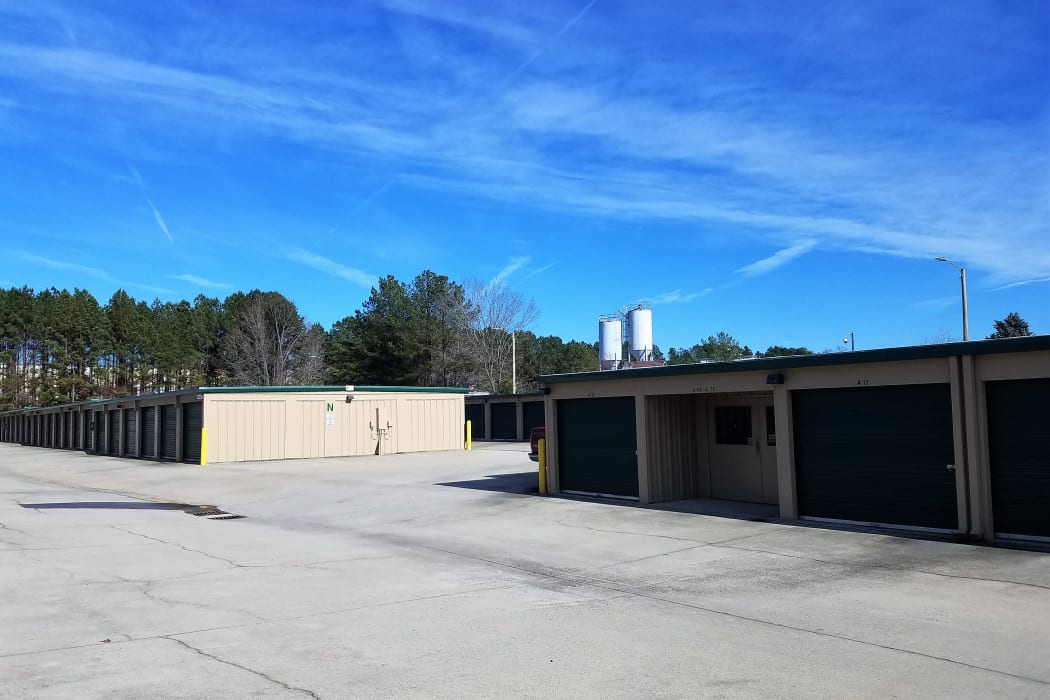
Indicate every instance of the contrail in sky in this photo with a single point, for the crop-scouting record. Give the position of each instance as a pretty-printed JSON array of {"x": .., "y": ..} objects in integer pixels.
[{"x": 156, "y": 212}]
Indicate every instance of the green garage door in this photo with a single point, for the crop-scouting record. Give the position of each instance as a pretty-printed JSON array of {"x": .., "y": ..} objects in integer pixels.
[
  {"x": 131, "y": 444},
  {"x": 100, "y": 432},
  {"x": 876, "y": 455},
  {"x": 504, "y": 421},
  {"x": 476, "y": 416},
  {"x": 192, "y": 423},
  {"x": 149, "y": 432},
  {"x": 531, "y": 416},
  {"x": 597, "y": 447},
  {"x": 1019, "y": 451},
  {"x": 168, "y": 418},
  {"x": 113, "y": 429}
]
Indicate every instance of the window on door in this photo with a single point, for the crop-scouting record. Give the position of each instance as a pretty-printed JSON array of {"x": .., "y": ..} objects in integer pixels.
[
  {"x": 771, "y": 426},
  {"x": 733, "y": 425}
]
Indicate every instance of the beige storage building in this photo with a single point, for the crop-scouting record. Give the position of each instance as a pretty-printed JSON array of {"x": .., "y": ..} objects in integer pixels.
[
  {"x": 241, "y": 424},
  {"x": 951, "y": 438}
]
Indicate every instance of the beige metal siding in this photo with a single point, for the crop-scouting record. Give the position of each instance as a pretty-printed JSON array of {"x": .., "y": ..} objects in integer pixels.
[
  {"x": 676, "y": 432},
  {"x": 436, "y": 423},
  {"x": 290, "y": 425},
  {"x": 254, "y": 430}
]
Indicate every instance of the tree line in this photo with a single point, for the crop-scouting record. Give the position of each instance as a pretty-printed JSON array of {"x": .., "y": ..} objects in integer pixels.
[{"x": 58, "y": 346}]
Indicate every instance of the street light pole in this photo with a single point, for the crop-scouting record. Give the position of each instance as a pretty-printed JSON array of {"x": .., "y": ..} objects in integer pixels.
[{"x": 962, "y": 283}]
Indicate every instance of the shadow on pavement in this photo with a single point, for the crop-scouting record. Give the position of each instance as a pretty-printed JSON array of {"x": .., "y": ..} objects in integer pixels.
[
  {"x": 108, "y": 505},
  {"x": 523, "y": 482}
]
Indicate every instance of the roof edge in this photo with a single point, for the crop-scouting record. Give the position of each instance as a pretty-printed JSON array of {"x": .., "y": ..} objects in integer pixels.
[{"x": 900, "y": 354}]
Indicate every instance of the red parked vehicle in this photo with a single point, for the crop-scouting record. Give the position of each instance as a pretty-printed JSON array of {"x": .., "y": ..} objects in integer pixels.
[{"x": 535, "y": 435}]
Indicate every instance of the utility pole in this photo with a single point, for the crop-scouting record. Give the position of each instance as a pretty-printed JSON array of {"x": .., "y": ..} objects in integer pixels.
[{"x": 962, "y": 283}]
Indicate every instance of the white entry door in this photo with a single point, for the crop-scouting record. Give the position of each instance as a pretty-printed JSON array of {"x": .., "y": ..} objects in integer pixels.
[{"x": 742, "y": 450}]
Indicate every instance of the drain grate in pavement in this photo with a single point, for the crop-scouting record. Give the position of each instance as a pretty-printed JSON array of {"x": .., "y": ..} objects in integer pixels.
[{"x": 212, "y": 513}]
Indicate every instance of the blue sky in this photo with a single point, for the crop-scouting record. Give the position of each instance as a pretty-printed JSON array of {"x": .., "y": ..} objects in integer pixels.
[{"x": 785, "y": 172}]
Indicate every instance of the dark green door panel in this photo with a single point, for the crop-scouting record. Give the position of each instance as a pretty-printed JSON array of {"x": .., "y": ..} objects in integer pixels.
[
  {"x": 131, "y": 445},
  {"x": 113, "y": 428},
  {"x": 100, "y": 432},
  {"x": 192, "y": 422},
  {"x": 168, "y": 418},
  {"x": 531, "y": 416},
  {"x": 504, "y": 421},
  {"x": 876, "y": 454},
  {"x": 597, "y": 446},
  {"x": 476, "y": 416},
  {"x": 1019, "y": 452},
  {"x": 149, "y": 432}
]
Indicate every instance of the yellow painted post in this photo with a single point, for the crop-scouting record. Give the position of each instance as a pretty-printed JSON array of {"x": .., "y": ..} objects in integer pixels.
[
  {"x": 541, "y": 447},
  {"x": 204, "y": 446},
  {"x": 468, "y": 436}
]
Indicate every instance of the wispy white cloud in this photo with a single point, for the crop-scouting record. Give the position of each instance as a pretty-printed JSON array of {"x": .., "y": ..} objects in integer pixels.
[
  {"x": 65, "y": 265},
  {"x": 509, "y": 269},
  {"x": 331, "y": 267},
  {"x": 676, "y": 297},
  {"x": 540, "y": 270},
  {"x": 777, "y": 259},
  {"x": 878, "y": 156},
  {"x": 95, "y": 272},
  {"x": 1022, "y": 283},
  {"x": 202, "y": 282}
]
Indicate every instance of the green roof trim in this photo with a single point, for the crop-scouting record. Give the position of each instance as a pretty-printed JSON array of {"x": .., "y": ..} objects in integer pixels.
[
  {"x": 341, "y": 389},
  {"x": 98, "y": 401},
  {"x": 520, "y": 395},
  {"x": 911, "y": 352}
]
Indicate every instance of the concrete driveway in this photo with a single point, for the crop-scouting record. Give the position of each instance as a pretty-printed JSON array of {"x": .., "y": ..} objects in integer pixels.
[{"x": 437, "y": 575}]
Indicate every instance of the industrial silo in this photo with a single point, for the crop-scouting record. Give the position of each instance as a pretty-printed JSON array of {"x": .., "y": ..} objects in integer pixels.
[
  {"x": 640, "y": 333},
  {"x": 610, "y": 342}
]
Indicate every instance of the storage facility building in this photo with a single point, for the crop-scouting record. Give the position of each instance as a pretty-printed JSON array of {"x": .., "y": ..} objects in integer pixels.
[
  {"x": 241, "y": 424},
  {"x": 951, "y": 438},
  {"x": 504, "y": 416}
]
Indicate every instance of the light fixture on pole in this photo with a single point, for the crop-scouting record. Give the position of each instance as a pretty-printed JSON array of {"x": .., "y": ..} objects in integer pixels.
[
  {"x": 962, "y": 281},
  {"x": 848, "y": 338}
]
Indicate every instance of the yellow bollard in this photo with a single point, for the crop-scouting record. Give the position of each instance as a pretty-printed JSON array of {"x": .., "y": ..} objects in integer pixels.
[
  {"x": 204, "y": 446},
  {"x": 468, "y": 436},
  {"x": 541, "y": 448}
]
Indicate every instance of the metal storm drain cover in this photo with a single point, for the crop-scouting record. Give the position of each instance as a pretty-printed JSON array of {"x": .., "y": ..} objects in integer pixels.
[{"x": 212, "y": 513}]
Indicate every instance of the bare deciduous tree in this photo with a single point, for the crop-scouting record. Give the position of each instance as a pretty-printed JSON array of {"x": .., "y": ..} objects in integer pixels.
[
  {"x": 496, "y": 312},
  {"x": 271, "y": 345}
]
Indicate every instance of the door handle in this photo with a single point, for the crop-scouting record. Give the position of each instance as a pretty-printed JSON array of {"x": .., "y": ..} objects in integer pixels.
[{"x": 951, "y": 467}]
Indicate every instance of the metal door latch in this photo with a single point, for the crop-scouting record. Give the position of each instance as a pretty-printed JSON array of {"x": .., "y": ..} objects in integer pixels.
[{"x": 951, "y": 467}]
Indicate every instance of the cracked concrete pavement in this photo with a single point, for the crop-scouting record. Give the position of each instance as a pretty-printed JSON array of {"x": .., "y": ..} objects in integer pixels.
[{"x": 440, "y": 575}]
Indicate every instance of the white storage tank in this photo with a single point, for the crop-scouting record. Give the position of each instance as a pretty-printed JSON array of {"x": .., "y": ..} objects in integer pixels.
[
  {"x": 640, "y": 333},
  {"x": 610, "y": 342}
]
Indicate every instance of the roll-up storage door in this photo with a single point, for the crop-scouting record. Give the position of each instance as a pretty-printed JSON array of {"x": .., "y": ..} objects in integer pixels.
[
  {"x": 100, "y": 432},
  {"x": 113, "y": 426},
  {"x": 475, "y": 413},
  {"x": 192, "y": 423},
  {"x": 168, "y": 425},
  {"x": 597, "y": 447},
  {"x": 876, "y": 455},
  {"x": 149, "y": 432},
  {"x": 131, "y": 445},
  {"x": 504, "y": 421},
  {"x": 531, "y": 416},
  {"x": 1019, "y": 455}
]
